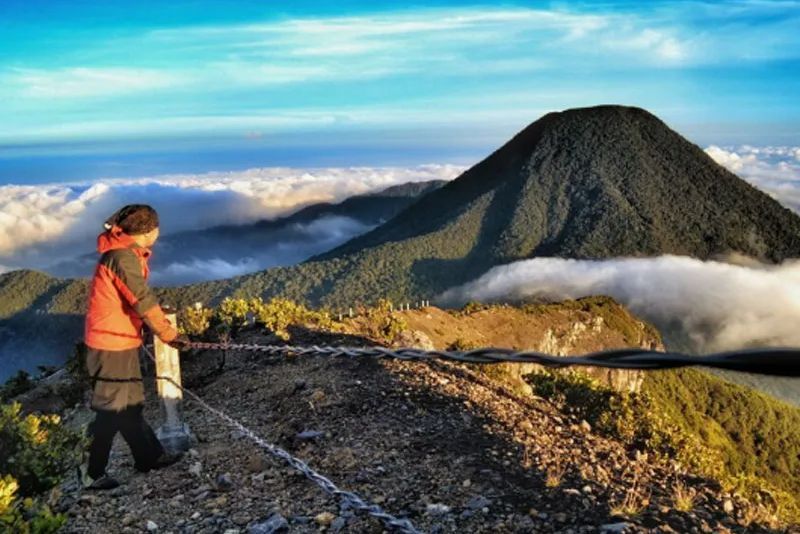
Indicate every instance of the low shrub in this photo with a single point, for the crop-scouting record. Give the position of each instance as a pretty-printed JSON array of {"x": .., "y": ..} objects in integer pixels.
[
  {"x": 25, "y": 515},
  {"x": 234, "y": 313},
  {"x": 196, "y": 320},
  {"x": 35, "y": 453},
  {"x": 36, "y": 450},
  {"x": 382, "y": 322}
]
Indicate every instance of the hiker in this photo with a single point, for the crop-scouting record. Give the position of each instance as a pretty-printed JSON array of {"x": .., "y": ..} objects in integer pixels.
[{"x": 120, "y": 302}]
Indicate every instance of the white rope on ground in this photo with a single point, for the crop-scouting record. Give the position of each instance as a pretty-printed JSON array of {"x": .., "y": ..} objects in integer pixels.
[{"x": 347, "y": 498}]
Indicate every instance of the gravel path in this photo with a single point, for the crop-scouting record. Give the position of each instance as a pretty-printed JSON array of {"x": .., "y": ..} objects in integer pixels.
[{"x": 436, "y": 443}]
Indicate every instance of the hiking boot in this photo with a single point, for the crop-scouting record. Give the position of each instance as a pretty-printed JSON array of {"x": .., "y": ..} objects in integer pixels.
[
  {"x": 165, "y": 460},
  {"x": 103, "y": 483}
]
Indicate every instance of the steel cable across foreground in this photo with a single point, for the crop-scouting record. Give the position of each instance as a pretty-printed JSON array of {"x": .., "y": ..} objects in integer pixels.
[
  {"x": 772, "y": 361},
  {"x": 347, "y": 498},
  {"x": 768, "y": 361}
]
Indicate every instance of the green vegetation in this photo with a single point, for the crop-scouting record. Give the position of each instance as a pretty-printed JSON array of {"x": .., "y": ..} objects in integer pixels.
[
  {"x": 601, "y": 307},
  {"x": 20, "y": 290},
  {"x": 382, "y": 322},
  {"x": 35, "y": 452},
  {"x": 232, "y": 313},
  {"x": 276, "y": 315},
  {"x": 755, "y": 434},
  {"x": 25, "y": 515},
  {"x": 196, "y": 320},
  {"x": 745, "y": 440}
]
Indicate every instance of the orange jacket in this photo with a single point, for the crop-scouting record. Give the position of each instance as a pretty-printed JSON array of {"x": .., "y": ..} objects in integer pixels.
[{"x": 120, "y": 299}]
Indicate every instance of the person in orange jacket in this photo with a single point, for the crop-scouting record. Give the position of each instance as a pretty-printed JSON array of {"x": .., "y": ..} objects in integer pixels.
[{"x": 120, "y": 303}]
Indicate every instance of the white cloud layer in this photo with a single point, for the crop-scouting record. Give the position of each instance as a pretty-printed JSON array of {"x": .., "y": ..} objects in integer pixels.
[
  {"x": 41, "y": 224},
  {"x": 719, "y": 306},
  {"x": 773, "y": 169}
]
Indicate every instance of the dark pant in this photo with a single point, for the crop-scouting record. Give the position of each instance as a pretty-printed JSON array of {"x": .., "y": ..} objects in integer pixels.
[{"x": 137, "y": 433}]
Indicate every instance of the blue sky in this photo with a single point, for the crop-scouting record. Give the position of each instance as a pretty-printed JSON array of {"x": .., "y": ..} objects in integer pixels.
[{"x": 82, "y": 81}]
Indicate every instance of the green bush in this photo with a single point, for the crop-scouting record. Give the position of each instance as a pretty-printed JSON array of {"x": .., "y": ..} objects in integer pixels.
[
  {"x": 36, "y": 450},
  {"x": 196, "y": 320},
  {"x": 24, "y": 516},
  {"x": 233, "y": 313},
  {"x": 382, "y": 322},
  {"x": 35, "y": 453},
  {"x": 757, "y": 436},
  {"x": 278, "y": 314}
]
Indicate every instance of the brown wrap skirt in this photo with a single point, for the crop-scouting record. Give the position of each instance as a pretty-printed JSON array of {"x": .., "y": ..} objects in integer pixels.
[{"x": 116, "y": 377}]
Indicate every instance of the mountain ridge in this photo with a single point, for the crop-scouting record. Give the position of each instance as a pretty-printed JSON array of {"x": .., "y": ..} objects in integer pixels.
[
  {"x": 593, "y": 182},
  {"x": 267, "y": 243}
]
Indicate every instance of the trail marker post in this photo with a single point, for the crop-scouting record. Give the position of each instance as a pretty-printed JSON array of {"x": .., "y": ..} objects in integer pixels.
[{"x": 174, "y": 434}]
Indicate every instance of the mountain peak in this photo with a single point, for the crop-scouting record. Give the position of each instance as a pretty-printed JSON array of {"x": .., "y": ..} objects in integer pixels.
[{"x": 594, "y": 182}]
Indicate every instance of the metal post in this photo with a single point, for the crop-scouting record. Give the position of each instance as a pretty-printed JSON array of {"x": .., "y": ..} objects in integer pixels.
[{"x": 174, "y": 434}]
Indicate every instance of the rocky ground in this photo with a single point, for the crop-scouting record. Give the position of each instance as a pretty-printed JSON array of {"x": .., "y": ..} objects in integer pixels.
[{"x": 435, "y": 443}]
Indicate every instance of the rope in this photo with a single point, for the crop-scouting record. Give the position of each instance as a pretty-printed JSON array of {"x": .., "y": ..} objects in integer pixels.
[
  {"x": 347, "y": 498},
  {"x": 769, "y": 361}
]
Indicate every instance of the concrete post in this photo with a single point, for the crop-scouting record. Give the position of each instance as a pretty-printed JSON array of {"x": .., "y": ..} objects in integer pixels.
[{"x": 174, "y": 434}]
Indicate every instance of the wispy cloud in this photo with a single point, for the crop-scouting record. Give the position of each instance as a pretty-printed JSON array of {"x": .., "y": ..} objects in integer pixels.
[
  {"x": 388, "y": 44},
  {"x": 456, "y": 39},
  {"x": 415, "y": 59},
  {"x": 83, "y": 82}
]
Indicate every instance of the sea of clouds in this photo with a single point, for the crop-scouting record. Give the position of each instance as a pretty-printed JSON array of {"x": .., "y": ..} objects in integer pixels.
[
  {"x": 43, "y": 225},
  {"x": 709, "y": 305},
  {"x": 773, "y": 169}
]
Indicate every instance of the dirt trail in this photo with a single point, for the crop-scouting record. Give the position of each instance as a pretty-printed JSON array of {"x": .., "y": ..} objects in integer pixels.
[{"x": 432, "y": 442}]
